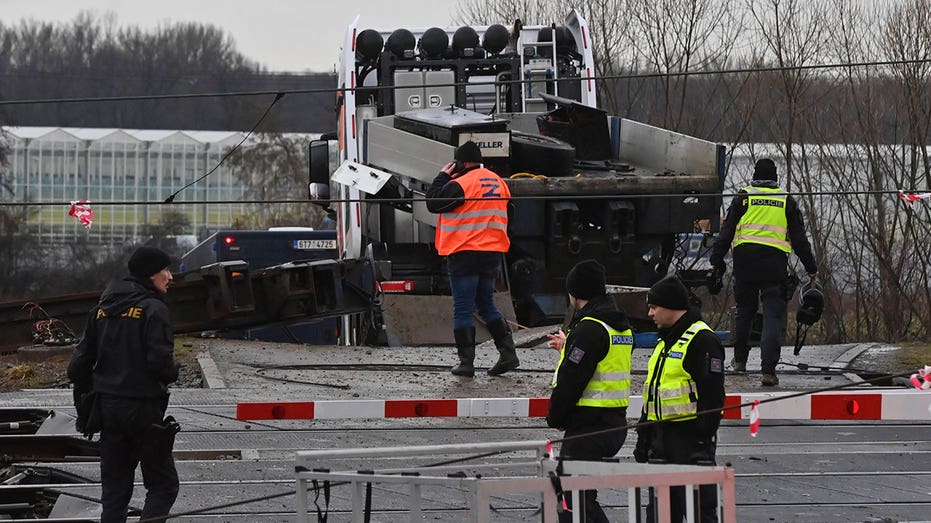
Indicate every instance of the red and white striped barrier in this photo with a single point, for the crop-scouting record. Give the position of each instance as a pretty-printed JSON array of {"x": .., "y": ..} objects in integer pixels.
[
  {"x": 884, "y": 405},
  {"x": 367, "y": 409}
]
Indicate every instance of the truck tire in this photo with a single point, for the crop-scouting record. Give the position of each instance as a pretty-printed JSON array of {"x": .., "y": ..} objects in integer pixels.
[{"x": 538, "y": 154}]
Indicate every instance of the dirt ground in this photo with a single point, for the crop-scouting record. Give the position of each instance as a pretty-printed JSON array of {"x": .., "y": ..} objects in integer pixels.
[
  {"x": 50, "y": 371},
  {"x": 17, "y": 372},
  {"x": 907, "y": 357}
]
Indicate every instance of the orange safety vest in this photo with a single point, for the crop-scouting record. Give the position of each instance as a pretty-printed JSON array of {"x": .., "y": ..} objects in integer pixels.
[{"x": 481, "y": 222}]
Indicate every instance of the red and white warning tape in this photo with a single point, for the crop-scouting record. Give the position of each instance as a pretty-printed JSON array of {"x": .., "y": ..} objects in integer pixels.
[{"x": 898, "y": 404}]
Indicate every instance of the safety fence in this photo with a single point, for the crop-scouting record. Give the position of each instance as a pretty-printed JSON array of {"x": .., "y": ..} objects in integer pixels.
[{"x": 503, "y": 472}]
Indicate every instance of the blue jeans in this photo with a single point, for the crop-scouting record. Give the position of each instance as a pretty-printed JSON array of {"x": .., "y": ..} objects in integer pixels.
[
  {"x": 473, "y": 292},
  {"x": 747, "y": 296}
]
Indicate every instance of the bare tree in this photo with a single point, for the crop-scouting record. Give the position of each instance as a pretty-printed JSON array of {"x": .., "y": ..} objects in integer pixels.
[
  {"x": 877, "y": 277},
  {"x": 794, "y": 34},
  {"x": 274, "y": 167},
  {"x": 906, "y": 36},
  {"x": 677, "y": 36}
]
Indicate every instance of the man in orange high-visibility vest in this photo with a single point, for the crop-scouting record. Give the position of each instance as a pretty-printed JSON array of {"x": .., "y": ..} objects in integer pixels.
[
  {"x": 765, "y": 225},
  {"x": 472, "y": 202}
]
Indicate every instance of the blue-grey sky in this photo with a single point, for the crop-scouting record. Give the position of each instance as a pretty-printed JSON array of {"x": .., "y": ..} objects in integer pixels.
[{"x": 285, "y": 35}]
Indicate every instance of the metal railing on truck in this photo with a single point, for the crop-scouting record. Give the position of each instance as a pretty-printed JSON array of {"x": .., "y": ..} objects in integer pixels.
[{"x": 531, "y": 467}]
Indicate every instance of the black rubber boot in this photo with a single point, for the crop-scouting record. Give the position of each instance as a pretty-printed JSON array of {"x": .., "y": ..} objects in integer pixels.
[
  {"x": 465, "y": 346},
  {"x": 507, "y": 354}
]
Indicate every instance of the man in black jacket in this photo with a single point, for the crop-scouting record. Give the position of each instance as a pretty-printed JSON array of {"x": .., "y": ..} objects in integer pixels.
[
  {"x": 471, "y": 232},
  {"x": 591, "y": 385},
  {"x": 685, "y": 376},
  {"x": 765, "y": 225},
  {"x": 126, "y": 357}
]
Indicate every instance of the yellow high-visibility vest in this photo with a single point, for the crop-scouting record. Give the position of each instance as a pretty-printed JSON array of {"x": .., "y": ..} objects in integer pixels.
[
  {"x": 765, "y": 221},
  {"x": 674, "y": 394},
  {"x": 610, "y": 385}
]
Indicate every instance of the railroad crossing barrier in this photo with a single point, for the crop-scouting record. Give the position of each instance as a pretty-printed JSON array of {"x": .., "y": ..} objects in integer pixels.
[
  {"x": 483, "y": 483},
  {"x": 865, "y": 405}
]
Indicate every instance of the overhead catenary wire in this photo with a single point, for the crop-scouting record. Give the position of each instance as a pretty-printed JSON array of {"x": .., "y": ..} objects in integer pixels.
[
  {"x": 326, "y": 90},
  {"x": 279, "y": 96},
  {"x": 281, "y": 93},
  {"x": 559, "y": 197}
]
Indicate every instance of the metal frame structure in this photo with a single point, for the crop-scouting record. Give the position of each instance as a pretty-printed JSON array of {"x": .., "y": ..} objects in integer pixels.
[
  {"x": 224, "y": 295},
  {"x": 575, "y": 476}
]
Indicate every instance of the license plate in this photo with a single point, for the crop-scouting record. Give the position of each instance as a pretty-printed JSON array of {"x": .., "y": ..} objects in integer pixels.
[{"x": 312, "y": 245}]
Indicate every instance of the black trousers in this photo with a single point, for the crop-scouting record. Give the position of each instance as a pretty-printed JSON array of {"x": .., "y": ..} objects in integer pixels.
[
  {"x": 593, "y": 448},
  {"x": 129, "y": 437},
  {"x": 748, "y": 296},
  {"x": 681, "y": 447}
]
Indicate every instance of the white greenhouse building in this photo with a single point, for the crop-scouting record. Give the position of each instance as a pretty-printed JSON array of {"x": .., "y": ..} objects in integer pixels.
[{"x": 57, "y": 165}]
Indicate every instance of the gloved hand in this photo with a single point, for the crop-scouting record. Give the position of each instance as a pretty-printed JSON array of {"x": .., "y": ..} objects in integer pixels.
[
  {"x": 716, "y": 280},
  {"x": 720, "y": 269},
  {"x": 642, "y": 450}
]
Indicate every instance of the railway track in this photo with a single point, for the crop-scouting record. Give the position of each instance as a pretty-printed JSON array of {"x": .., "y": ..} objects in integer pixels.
[
  {"x": 835, "y": 497},
  {"x": 812, "y": 471},
  {"x": 805, "y": 471}
]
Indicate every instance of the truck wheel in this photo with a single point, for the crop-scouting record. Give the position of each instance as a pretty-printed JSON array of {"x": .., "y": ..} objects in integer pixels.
[{"x": 540, "y": 154}]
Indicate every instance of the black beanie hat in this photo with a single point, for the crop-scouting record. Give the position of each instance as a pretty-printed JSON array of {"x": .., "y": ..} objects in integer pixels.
[
  {"x": 147, "y": 261},
  {"x": 764, "y": 169},
  {"x": 669, "y": 293},
  {"x": 469, "y": 152},
  {"x": 586, "y": 280}
]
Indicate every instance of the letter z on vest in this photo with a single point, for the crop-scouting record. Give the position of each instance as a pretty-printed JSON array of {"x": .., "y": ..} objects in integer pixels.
[{"x": 481, "y": 222}]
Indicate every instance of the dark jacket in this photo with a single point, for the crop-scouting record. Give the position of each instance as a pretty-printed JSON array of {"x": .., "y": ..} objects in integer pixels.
[
  {"x": 443, "y": 196},
  {"x": 127, "y": 349},
  {"x": 573, "y": 377},
  {"x": 704, "y": 361},
  {"x": 761, "y": 263}
]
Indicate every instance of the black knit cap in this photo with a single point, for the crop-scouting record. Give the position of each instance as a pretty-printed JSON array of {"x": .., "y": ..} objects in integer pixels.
[
  {"x": 586, "y": 280},
  {"x": 764, "y": 169},
  {"x": 469, "y": 152},
  {"x": 669, "y": 293},
  {"x": 147, "y": 261}
]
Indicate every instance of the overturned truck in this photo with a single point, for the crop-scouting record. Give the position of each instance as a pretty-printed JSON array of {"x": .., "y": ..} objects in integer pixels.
[{"x": 584, "y": 184}]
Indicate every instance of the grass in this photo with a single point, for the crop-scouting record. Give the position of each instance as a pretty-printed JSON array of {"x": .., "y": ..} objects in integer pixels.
[
  {"x": 21, "y": 375},
  {"x": 915, "y": 354},
  {"x": 184, "y": 348}
]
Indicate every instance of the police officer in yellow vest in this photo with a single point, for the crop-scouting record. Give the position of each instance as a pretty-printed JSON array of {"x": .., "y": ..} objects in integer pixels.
[
  {"x": 472, "y": 233},
  {"x": 765, "y": 225},
  {"x": 685, "y": 376},
  {"x": 591, "y": 385}
]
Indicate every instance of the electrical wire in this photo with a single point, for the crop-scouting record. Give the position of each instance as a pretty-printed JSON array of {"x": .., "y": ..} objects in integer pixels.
[
  {"x": 278, "y": 96},
  {"x": 626, "y": 427},
  {"x": 559, "y": 197},
  {"x": 325, "y": 90}
]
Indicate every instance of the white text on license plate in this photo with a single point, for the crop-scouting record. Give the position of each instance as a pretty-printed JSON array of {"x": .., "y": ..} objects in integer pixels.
[{"x": 308, "y": 245}]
